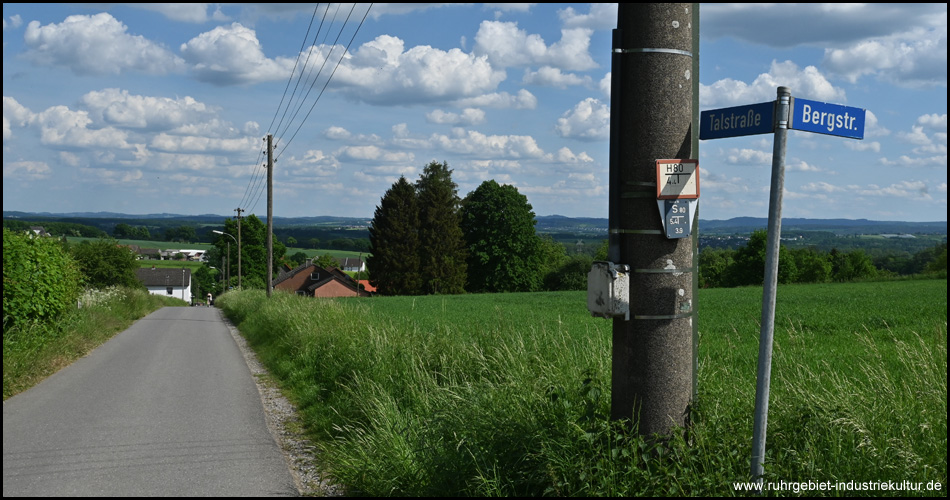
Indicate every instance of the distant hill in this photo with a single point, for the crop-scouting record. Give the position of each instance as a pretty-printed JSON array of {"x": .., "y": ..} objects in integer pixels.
[
  {"x": 745, "y": 225},
  {"x": 545, "y": 223}
]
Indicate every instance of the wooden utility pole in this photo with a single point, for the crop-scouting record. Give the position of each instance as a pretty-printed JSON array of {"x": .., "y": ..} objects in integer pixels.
[
  {"x": 239, "y": 210},
  {"x": 651, "y": 118},
  {"x": 270, "y": 213}
]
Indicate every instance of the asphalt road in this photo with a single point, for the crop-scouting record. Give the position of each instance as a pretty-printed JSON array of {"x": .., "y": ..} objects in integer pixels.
[{"x": 166, "y": 408}]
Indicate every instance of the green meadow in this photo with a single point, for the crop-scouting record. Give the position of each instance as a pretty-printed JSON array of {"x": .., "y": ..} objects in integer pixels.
[{"x": 509, "y": 394}]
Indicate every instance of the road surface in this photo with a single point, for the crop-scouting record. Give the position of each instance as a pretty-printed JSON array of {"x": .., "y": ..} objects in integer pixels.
[{"x": 166, "y": 408}]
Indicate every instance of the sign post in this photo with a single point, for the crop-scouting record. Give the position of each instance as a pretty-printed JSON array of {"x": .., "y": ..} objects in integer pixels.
[{"x": 785, "y": 113}]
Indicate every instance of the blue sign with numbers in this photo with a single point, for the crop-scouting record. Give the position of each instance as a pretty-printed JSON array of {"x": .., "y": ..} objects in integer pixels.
[
  {"x": 677, "y": 218},
  {"x": 824, "y": 118}
]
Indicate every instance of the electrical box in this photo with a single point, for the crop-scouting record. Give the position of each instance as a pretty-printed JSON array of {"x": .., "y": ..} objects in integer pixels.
[{"x": 608, "y": 290}]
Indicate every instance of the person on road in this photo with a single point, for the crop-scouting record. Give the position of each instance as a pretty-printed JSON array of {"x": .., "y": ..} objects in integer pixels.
[{"x": 210, "y": 300}]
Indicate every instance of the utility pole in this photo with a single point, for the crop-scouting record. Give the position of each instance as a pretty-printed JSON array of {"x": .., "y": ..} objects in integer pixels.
[
  {"x": 270, "y": 213},
  {"x": 239, "y": 210},
  {"x": 651, "y": 118}
]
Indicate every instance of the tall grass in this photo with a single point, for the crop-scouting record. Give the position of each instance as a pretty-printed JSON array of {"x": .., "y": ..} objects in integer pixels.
[
  {"x": 503, "y": 395},
  {"x": 37, "y": 350}
]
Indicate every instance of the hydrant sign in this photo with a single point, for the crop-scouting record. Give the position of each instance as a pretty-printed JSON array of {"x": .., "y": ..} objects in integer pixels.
[{"x": 677, "y": 179}]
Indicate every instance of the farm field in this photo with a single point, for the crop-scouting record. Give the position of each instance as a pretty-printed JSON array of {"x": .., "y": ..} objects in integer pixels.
[{"x": 508, "y": 394}]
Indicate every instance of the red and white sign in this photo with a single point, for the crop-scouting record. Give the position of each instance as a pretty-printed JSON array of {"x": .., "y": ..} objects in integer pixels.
[{"x": 677, "y": 179}]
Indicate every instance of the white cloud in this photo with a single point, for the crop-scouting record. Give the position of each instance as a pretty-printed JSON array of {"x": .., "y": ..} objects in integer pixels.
[
  {"x": 15, "y": 22},
  {"x": 588, "y": 120},
  {"x": 195, "y": 144},
  {"x": 914, "y": 59},
  {"x": 185, "y": 12},
  {"x": 488, "y": 146},
  {"x": 553, "y": 77},
  {"x": 602, "y": 16},
  {"x": 119, "y": 108},
  {"x": 749, "y": 157},
  {"x": 469, "y": 116},
  {"x": 26, "y": 170},
  {"x": 96, "y": 45},
  {"x": 808, "y": 83},
  {"x": 506, "y": 45},
  {"x": 934, "y": 121},
  {"x": 60, "y": 126},
  {"x": 501, "y": 100},
  {"x": 382, "y": 72},
  {"x": 233, "y": 55}
]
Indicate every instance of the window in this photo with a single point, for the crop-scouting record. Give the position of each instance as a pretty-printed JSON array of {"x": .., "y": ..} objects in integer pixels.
[{"x": 315, "y": 276}]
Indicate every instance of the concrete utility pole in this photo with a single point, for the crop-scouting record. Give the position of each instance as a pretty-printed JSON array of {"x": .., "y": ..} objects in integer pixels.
[
  {"x": 651, "y": 117},
  {"x": 239, "y": 210},
  {"x": 270, "y": 213}
]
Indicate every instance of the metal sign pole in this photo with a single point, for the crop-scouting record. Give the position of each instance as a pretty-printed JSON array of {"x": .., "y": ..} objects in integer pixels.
[{"x": 769, "y": 286}]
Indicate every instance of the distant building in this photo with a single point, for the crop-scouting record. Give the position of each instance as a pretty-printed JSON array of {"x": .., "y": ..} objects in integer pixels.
[
  {"x": 311, "y": 280},
  {"x": 168, "y": 282}
]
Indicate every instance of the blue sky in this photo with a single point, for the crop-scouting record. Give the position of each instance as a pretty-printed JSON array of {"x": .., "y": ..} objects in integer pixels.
[{"x": 151, "y": 108}]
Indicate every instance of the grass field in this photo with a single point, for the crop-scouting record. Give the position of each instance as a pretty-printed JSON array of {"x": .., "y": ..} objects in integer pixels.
[{"x": 508, "y": 395}]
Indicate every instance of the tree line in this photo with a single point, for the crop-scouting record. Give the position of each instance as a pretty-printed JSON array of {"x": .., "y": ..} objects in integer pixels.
[
  {"x": 425, "y": 239},
  {"x": 745, "y": 265}
]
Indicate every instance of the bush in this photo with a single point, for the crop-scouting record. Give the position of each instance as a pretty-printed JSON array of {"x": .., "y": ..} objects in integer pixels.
[{"x": 40, "y": 279}]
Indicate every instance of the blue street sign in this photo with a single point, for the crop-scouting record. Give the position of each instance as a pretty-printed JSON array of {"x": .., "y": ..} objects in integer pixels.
[
  {"x": 824, "y": 118},
  {"x": 750, "y": 119}
]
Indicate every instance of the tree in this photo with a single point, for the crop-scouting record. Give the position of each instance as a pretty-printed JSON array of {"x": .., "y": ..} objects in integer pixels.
[
  {"x": 748, "y": 265},
  {"x": 851, "y": 266},
  {"x": 105, "y": 263},
  {"x": 442, "y": 245},
  {"x": 291, "y": 241},
  {"x": 813, "y": 267},
  {"x": 504, "y": 250},
  {"x": 394, "y": 242},
  {"x": 253, "y": 250}
]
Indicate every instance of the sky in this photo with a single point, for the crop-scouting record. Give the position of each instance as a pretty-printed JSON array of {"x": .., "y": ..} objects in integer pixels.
[{"x": 163, "y": 108}]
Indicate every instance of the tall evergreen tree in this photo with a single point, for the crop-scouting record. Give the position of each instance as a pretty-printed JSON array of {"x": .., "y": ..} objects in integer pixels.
[
  {"x": 442, "y": 245},
  {"x": 504, "y": 251},
  {"x": 394, "y": 242}
]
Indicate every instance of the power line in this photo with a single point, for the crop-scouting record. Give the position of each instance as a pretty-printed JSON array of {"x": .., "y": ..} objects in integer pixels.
[{"x": 339, "y": 61}]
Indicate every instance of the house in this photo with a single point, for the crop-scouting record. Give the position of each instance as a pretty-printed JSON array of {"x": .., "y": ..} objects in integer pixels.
[
  {"x": 311, "y": 280},
  {"x": 39, "y": 231},
  {"x": 352, "y": 264},
  {"x": 150, "y": 253},
  {"x": 166, "y": 281}
]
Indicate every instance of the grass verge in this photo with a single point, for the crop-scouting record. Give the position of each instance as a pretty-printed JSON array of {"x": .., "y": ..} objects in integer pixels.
[{"x": 508, "y": 395}]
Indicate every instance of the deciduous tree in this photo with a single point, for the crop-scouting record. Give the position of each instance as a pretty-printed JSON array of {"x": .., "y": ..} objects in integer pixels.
[{"x": 504, "y": 250}]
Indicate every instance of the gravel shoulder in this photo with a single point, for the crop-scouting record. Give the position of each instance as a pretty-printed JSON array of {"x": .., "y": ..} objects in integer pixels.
[{"x": 284, "y": 424}]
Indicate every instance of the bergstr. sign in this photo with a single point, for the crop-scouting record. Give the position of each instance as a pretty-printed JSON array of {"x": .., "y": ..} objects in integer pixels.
[
  {"x": 750, "y": 119},
  {"x": 824, "y": 118}
]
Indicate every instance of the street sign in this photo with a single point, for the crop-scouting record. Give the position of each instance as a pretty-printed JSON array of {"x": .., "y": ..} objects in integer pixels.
[
  {"x": 749, "y": 119},
  {"x": 677, "y": 179},
  {"x": 824, "y": 118}
]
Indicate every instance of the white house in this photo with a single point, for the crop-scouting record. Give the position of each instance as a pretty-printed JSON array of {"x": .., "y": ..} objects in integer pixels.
[
  {"x": 167, "y": 281},
  {"x": 352, "y": 264}
]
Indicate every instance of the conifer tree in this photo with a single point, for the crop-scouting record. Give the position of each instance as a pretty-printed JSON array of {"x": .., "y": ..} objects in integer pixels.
[
  {"x": 442, "y": 245},
  {"x": 394, "y": 242}
]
